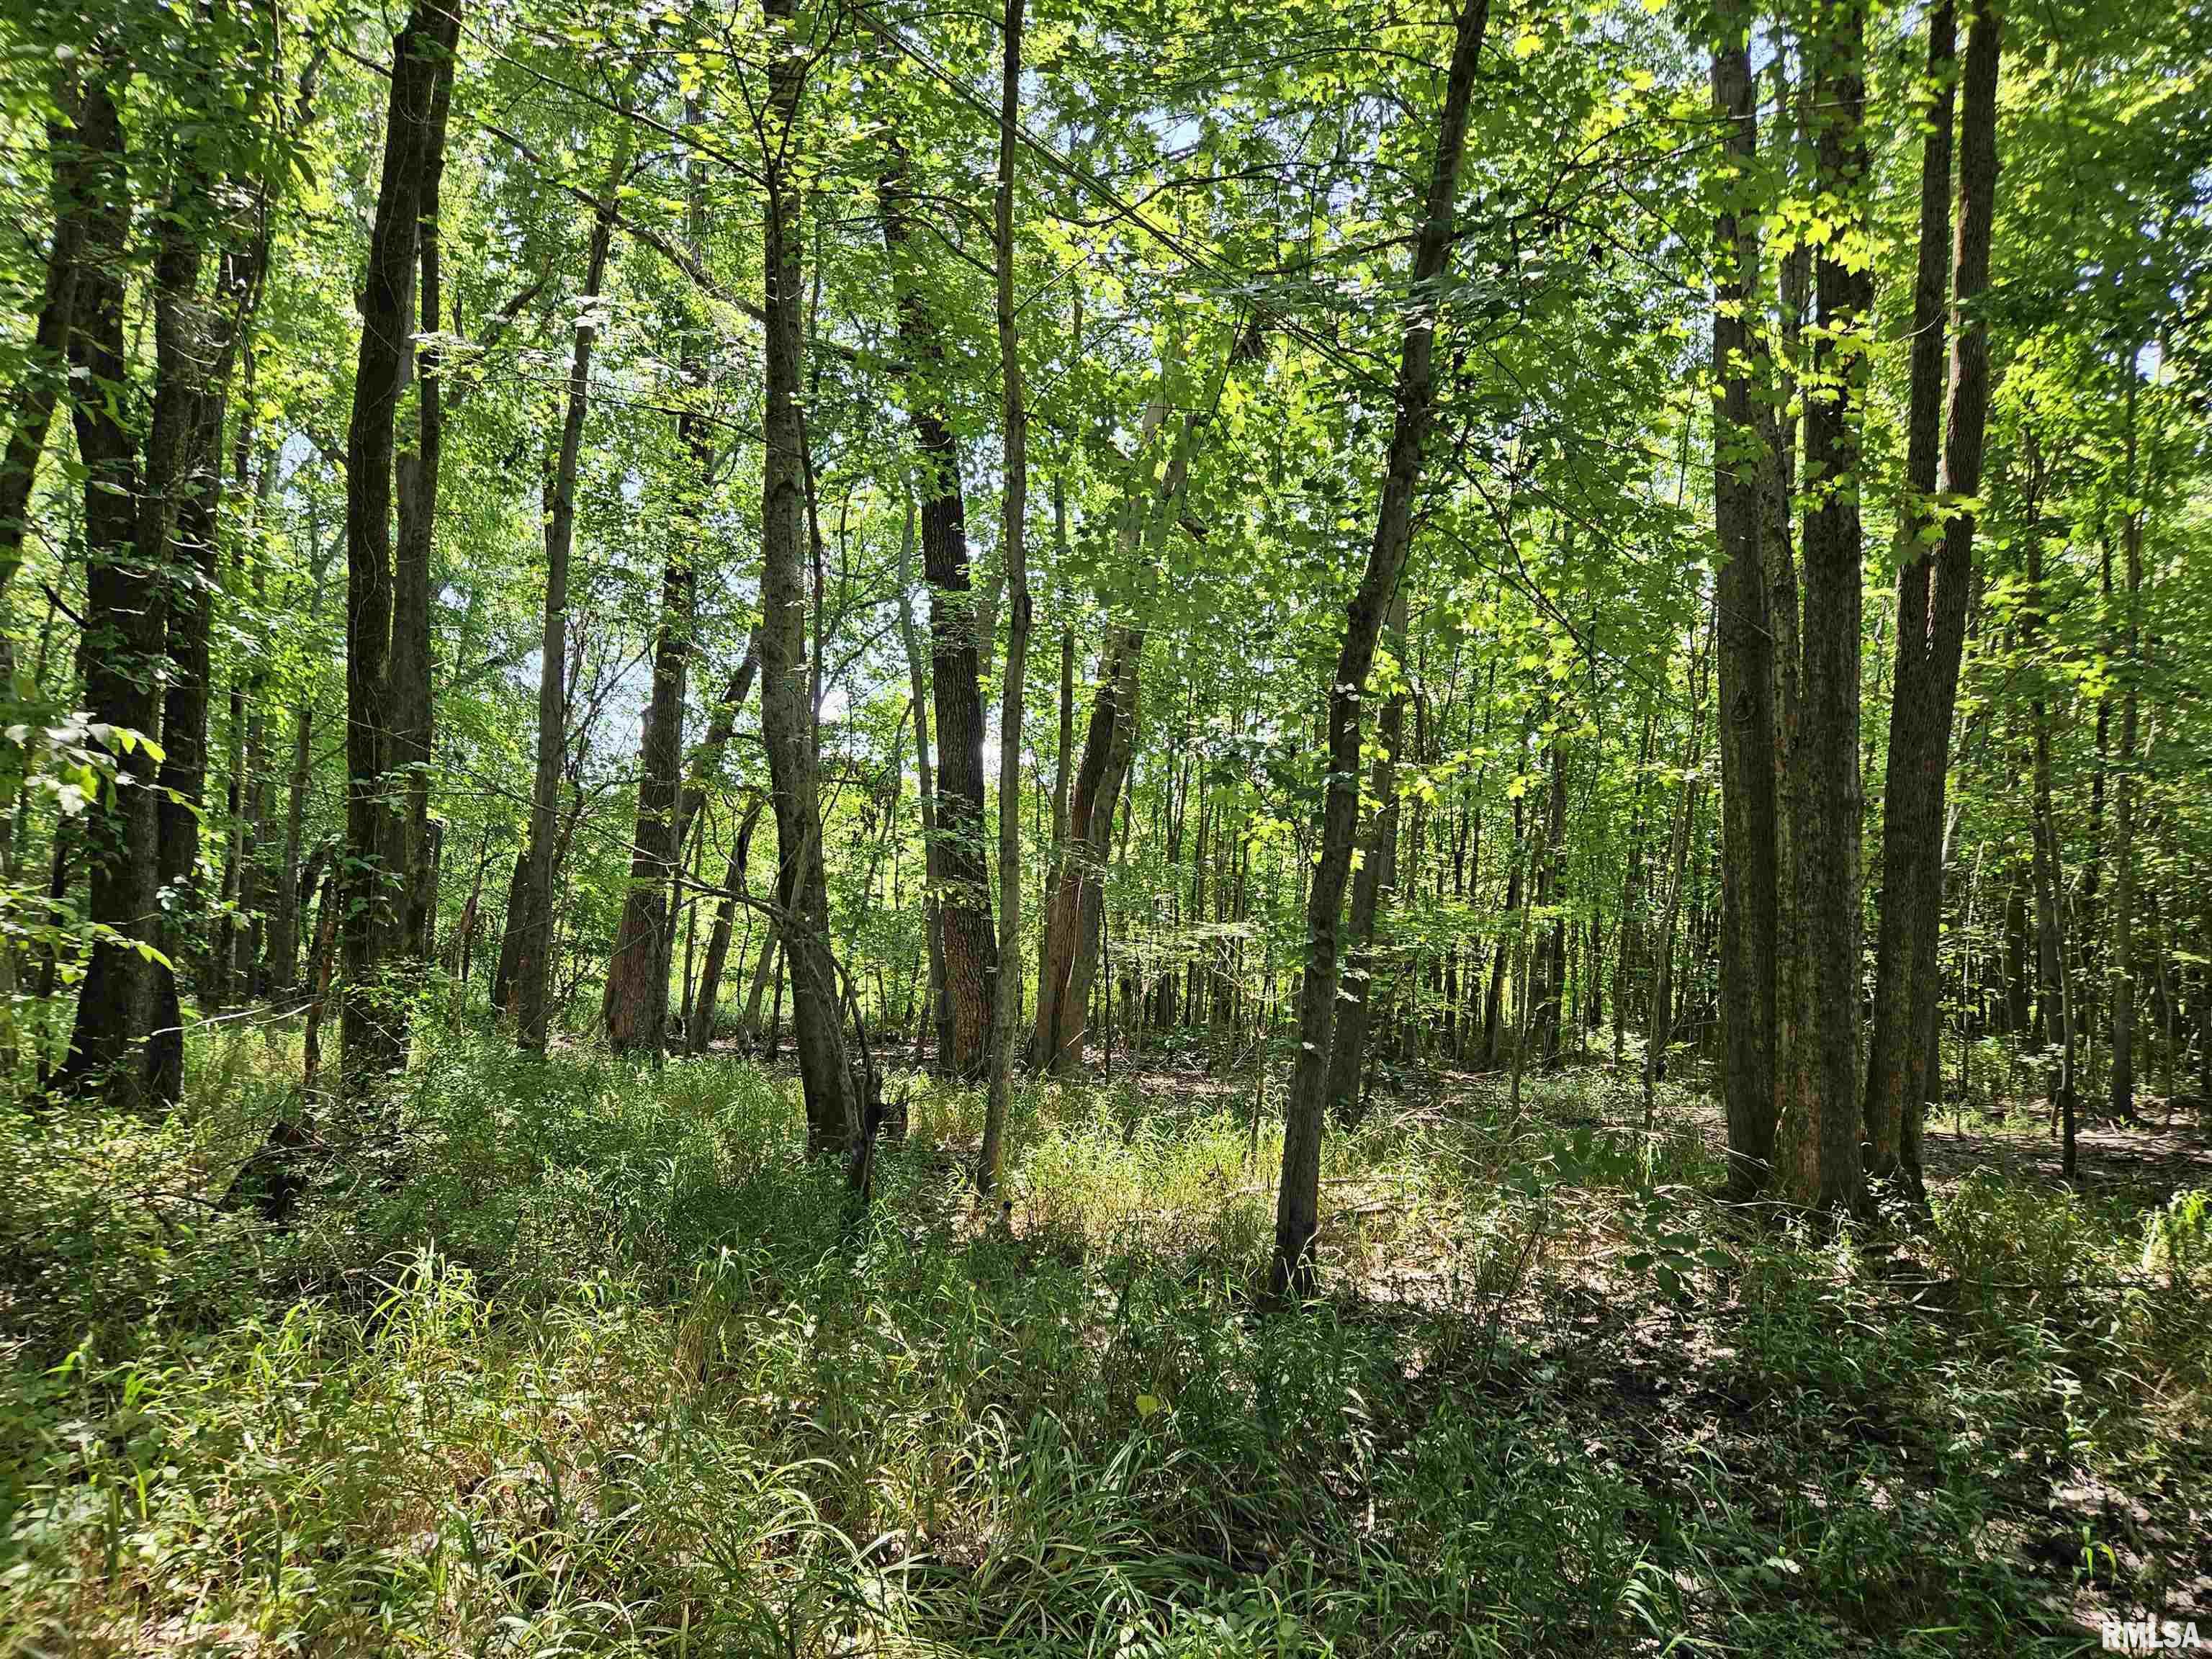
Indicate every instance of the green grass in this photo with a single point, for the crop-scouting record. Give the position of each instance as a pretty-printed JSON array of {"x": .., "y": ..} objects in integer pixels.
[{"x": 589, "y": 1361}]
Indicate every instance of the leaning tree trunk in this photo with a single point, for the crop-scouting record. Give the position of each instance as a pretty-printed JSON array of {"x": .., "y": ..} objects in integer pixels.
[
  {"x": 1074, "y": 914},
  {"x": 699, "y": 1027},
  {"x": 787, "y": 715},
  {"x": 1297, "y": 1204}
]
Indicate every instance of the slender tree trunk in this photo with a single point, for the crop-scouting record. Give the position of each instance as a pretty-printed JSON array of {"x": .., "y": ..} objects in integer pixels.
[
  {"x": 530, "y": 916},
  {"x": 1659, "y": 1034},
  {"x": 699, "y": 1034},
  {"x": 1013, "y": 537},
  {"x": 786, "y": 719},
  {"x": 1377, "y": 873},
  {"x": 2121, "y": 975},
  {"x": 1936, "y": 577},
  {"x": 1745, "y": 665},
  {"x": 939, "y": 1014},
  {"x": 1297, "y": 1206}
]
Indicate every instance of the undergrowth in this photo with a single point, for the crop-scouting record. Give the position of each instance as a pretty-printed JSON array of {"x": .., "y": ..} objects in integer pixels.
[{"x": 587, "y": 1358}]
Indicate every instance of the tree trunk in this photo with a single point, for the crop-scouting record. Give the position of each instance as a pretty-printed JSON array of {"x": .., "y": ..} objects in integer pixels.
[
  {"x": 1936, "y": 575},
  {"x": 1378, "y": 875},
  {"x": 1013, "y": 537},
  {"x": 1745, "y": 665},
  {"x": 786, "y": 719},
  {"x": 959, "y": 632},
  {"x": 939, "y": 1016},
  {"x": 116, "y": 1001},
  {"x": 699, "y": 1033},
  {"x": 634, "y": 1005},
  {"x": 2122, "y": 978},
  {"x": 413, "y": 852},
  {"x": 1297, "y": 1206},
  {"x": 1824, "y": 1065},
  {"x": 530, "y": 915},
  {"x": 372, "y": 1031}
]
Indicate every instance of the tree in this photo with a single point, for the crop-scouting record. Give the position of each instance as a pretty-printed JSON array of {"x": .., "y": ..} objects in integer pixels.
[
  {"x": 372, "y": 1030},
  {"x": 1297, "y": 1209}
]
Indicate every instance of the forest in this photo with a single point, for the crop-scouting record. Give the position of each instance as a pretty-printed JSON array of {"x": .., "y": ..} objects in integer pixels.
[{"x": 1322, "y": 827}]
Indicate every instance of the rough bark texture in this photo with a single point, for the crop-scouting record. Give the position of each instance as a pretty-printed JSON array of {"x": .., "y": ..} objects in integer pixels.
[
  {"x": 372, "y": 1032},
  {"x": 123, "y": 635},
  {"x": 1297, "y": 1206},
  {"x": 1824, "y": 1067},
  {"x": 958, "y": 629},
  {"x": 1745, "y": 665},
  {"x": 413, "y": 850},
  {"x": 786, "y": 719},
  {"x": 1935, "y": 576}
]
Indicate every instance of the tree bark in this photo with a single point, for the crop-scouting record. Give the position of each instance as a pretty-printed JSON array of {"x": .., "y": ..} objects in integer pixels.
[
  {"x": 530, "y": 916},
  {"x": 1745, "y": 647},
  {"x": 1297, "y": 1206},
  {"x": 958, "y": 630},
  {"x": 371, "y": 1030},
  {"x": 1824, "y": 1114},
  {"x": 409, "y": 695},
  {"x": 634, "y": 1005},
  {"x": 787, "y": 718},
  {"x": 1934, "y": 579},
  {"x": 1378, "y": 875},
  {"x": 116, "y": 1002},
  {"x": 1013, "y": 538}
]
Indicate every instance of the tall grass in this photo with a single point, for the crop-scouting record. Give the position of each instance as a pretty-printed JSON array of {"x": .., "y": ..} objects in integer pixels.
[{"x": 587, "y": 1358}]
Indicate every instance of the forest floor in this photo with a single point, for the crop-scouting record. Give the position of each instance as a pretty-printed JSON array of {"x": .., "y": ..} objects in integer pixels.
[{"x": 587, "y": 1358}]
